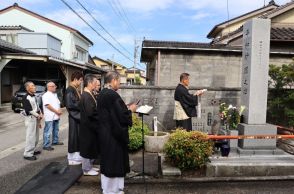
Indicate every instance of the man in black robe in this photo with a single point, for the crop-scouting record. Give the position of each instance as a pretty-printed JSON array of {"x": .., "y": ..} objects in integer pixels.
[
  {"x": 185, "y": 103},
  {"x": 114, "y": 120},
  {"x": 88, "y": 132},
  {"x": 72, "y": 103}
]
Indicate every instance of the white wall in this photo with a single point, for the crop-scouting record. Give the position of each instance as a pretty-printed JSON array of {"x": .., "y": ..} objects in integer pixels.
[{"x": 16, "y": 17}]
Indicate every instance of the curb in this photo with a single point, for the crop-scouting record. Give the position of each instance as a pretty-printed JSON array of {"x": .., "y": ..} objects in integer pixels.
[{"x": 208, "y": 179}]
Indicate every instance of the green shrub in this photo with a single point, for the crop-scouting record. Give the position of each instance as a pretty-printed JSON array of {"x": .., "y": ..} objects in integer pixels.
[
  {"x": 135, "y": 133},
  {"x": 188, "y": 150}
]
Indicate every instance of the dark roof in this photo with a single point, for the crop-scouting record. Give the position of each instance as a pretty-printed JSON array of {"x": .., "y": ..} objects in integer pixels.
[
  {"x": 266, "y": 15},
  {"x": 176, "y": 44},
  {"x": 271, "y": 4},
  {"x": 17, "y": 27},
  {"x": 282, "y": 33},
  {"x": 16, "y": 6},
  {"x": 7, "y": 47},
  {"x": 285, "y": 33}
]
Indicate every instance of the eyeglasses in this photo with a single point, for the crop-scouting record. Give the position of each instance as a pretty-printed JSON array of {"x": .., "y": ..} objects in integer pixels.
[{"x": 52, "y": 86}]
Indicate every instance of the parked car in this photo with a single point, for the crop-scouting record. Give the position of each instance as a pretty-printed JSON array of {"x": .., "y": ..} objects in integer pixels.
[{"x": 40, "y": 90}]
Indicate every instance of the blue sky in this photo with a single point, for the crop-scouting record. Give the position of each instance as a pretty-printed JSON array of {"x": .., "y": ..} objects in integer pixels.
[{"x": 177, "y": 20}]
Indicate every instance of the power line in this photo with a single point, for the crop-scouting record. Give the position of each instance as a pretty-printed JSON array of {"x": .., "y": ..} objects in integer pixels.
[
  {"x": 125, "y": 15},
  {"x": 102, "y": 26},
  {"x": 118, "y": 14},
  {"x": 96, "y": 31}
]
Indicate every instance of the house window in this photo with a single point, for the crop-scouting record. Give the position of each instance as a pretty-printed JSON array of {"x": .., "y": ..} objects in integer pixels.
[
  {"x": 80, "y": 54},
  {"x": 209, "y": 119}
]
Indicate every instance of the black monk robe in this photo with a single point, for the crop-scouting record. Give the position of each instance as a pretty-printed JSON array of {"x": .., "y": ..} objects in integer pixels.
[
  {"x": 72, "y": 103},
  {"x": 88, "y": 128},
  {"x": 114, "y": 121},
  {"x": 188, "y": 103}
]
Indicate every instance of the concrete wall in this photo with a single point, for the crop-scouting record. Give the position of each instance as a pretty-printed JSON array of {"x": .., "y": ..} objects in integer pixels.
[
  {"x": 162, "y": 99},
  {"x": 209, "y": 69}
]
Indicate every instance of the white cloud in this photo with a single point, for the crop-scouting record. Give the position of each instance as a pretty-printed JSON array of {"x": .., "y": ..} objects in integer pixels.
[
  {"x": 146, "y": 5},
  {"x": 220, "y": 6},
  {"x": 67, "y": 17},
  {"x": 200, "y": 16},
  {"x": 24, "y": 3}
]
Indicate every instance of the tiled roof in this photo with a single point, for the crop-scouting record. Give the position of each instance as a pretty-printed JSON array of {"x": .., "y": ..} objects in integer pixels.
[
  {"x": 9, "y": 47},
  {"x": 176, "y": 44},
  {"x": 18, "y": 27},
  {"x": 277, "y": 33},
  {"x": 268, "y": 14},
  {"x": 282, "y": 33}
]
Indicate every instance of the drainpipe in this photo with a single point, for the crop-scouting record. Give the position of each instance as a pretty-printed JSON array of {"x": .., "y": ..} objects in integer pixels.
[{"x": 158, "y": 68}]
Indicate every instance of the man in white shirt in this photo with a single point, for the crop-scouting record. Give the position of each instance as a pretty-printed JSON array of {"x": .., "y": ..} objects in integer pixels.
[{"x": 52, "y": 112}]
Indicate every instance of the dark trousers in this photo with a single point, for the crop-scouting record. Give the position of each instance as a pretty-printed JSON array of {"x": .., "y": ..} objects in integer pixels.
[{"x": 185, "y": 124}]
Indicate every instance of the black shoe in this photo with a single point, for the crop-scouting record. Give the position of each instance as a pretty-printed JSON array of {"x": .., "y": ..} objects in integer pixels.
[
  {"x": 30, "y": 158},
  {"x": 37, "y": 153},
  {"x": 48, "y": 148},
  {"x": 58, "y": 143}
]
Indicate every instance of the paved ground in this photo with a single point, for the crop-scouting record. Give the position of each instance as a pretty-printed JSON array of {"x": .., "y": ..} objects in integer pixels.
[
  {"x": 14, "y": 170},
  {"x": 88, "y": 185}
]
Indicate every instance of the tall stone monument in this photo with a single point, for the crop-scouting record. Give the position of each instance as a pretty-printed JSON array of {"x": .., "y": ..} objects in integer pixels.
[{"x": 254, "y": 87}]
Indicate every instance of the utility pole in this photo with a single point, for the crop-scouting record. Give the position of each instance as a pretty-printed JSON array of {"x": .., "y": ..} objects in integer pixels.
[
  {"x": 112, "y": 65},
  {"x": 135, "y": 58}
]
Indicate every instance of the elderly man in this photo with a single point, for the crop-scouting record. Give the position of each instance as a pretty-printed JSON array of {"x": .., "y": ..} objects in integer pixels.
[
  {"x": 33, "y": 117},
  {"x": 185, "y": 103},
  {"x": 114, "y": 120},
  {"x": 52, "y": 112}
]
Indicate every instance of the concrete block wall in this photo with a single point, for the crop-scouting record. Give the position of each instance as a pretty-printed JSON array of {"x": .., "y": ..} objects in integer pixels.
[{"x": 162, "y": 100}]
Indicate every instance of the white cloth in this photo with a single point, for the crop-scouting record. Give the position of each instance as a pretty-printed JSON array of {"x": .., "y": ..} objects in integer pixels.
[
  {"x": 179, "y": 113},
  {"x": 32, "y": 135},
  {"x": 74, "y": 157},
  {"x": 52, "y": 99},
  {"x": 112, "y": 185}
]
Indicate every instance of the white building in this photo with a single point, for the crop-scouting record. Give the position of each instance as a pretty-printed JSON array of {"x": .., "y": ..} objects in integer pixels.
[{"x": 75, "y": 46}]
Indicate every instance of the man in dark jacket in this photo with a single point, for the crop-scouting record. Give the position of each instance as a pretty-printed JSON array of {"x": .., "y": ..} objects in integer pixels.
[
  {"x": 88, "y": 133},
  {"x": 185, "y": 103},
  {"x": 72, "y": 103},
  {"x": 114, "y": 120}
]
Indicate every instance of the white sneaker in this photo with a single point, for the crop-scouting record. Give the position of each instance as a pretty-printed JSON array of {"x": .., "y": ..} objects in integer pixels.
[
  {"x": 95, "y": 169},
  {"x": 74, "y": 163},
  {"x": 91, "y": 173}
]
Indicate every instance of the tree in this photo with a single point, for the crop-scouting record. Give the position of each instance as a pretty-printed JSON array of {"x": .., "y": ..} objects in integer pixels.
[
  {"x": 137, "y": 80},
  {"x": 281, "y": 95}
]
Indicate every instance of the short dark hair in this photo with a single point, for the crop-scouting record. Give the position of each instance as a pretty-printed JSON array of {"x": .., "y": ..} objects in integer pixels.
[
  {"x": 110, "y": 76},
  {"x": 89, "y": 78},
  {"x": 76, "y": 75},
  {"x": 184, "y": 76}
]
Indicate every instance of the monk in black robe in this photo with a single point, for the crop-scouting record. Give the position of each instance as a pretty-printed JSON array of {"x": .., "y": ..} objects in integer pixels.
[
  {"x": 72, "y": 104},
  {"x": 89, "y": 148},
  {"x": 185, "y": 103},
  {"x": 114, "y": 120}
]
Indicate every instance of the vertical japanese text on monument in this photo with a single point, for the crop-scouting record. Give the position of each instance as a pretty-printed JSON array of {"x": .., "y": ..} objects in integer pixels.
[{"x": 246, "y": 62}]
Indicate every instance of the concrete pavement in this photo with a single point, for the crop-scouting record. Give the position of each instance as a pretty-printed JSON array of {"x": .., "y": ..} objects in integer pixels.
[{"x": 14, "y": 170}]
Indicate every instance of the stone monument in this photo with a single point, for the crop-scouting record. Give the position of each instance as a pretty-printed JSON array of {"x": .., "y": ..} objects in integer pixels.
[{"x": 254, "y": 88}]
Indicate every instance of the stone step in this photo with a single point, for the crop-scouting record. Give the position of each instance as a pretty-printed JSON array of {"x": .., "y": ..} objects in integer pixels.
[{"x": 251, "y": 166}]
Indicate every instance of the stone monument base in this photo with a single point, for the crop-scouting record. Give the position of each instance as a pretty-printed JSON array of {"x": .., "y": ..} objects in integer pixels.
[{"x": 257, "y": 144}]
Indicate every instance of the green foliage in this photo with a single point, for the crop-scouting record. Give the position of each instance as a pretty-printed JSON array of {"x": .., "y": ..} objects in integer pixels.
[
  {"x": 281, "y": 95},
  {"x": 135, "y": 133},
  {"x": 188, "y": 150},
  {"x": 137, "y": 80}
]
